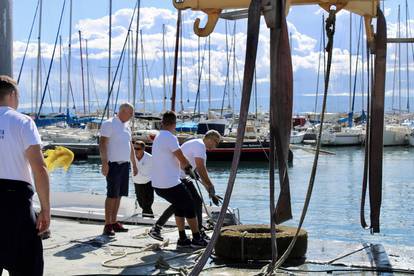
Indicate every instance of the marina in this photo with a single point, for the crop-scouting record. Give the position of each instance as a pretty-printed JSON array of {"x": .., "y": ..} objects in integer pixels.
[{"x": 299, "y": 180}]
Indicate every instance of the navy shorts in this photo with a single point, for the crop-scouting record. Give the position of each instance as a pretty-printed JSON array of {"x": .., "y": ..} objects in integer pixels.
[
  {"x": 117, "y": 180},
  {"x": 21, "y": 248},
  {"x": 180, "y": 198}
]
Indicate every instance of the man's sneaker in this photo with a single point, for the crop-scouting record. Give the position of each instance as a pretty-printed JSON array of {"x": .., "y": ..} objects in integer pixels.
[
  {"x": 147, "y": 215},
  {"x": 155, "y": 233},
  {"x": 108, "y": 230},
  {"x": 203, "y": 235},
  {"x": 200, "y": 243},
  {"x": 118, "y": 227},
  {"x": 183, "y": 243}
]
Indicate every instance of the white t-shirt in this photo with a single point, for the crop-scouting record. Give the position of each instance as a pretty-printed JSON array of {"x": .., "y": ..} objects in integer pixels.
[
  {"x": 144, "y": 169},
  {"x": 119, "y": 142},
  {"x": 17, "y": 133},
  {"x": 193, "y": 149},
  {"x": 165, "y": 171}
]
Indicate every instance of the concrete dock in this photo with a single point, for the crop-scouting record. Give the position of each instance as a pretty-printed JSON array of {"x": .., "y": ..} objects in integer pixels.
[{"x": 77, "y": 248}]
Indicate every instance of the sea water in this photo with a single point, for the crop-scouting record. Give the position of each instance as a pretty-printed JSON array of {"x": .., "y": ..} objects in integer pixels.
[{"x": 334, "y": 209}]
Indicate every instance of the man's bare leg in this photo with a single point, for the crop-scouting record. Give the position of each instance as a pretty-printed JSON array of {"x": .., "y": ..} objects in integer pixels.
[
  {"x": 117, "y": 202},
  {"x": 108, "y": 210}
]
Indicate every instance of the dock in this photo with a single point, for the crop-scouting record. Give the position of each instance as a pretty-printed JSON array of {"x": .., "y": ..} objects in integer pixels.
[{"x": 78, "y": 248}]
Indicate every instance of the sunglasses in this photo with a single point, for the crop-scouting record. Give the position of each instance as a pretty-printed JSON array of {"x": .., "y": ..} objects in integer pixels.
[{"x": 137, "y": 148}]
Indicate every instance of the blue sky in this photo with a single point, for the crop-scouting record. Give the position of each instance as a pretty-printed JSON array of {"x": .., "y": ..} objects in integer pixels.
[{"x": 90, "y": 16}]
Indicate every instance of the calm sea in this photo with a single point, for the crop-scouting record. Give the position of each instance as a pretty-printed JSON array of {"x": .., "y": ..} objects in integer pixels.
[{"x": 334, "y": 209}]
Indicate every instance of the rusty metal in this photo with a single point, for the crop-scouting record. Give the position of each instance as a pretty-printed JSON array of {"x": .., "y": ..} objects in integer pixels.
[
  {"x": 253, "y": 28},
  {"x": 213, "y": 9}
]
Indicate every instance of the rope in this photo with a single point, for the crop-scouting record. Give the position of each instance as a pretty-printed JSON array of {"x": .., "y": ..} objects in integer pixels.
[
  {"x": 330, "y": 30},
  {"x": 151, "y": 247},
  {"x": 119, "y": 62},
  {"x": 28, "y": 42},
  {"x": 201, "y": 196},
  {"x": 251, "y": 53},
  {"x": 51, "y": 61}
]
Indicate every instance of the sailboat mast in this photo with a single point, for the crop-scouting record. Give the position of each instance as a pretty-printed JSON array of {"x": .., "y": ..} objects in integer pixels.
[
  {"x": 177, "y": 41},
  {"x": 399, "y": 59},
  {"x": 39, "y": 58},
  {"x": 69, "y": 56},
  {"x": 143, "y": 72},
  {"x": 408, "y": 69},
  {"x": 87, "y": 76},
  {"x": 60, "y": 74},
  {"x": 135, "y": 86},
  {"x": 209, "y": 73},
  {"x": 181, "y": 66},
  {"x": 163, "y": 69},
  {"x": 129, "y": 65},
  {"x": 31, "y": 90},
  {"x": 234, "y": 69},
  {"x": 6, "y": 33},
  {"x": 109, "y": 53},
  {"x": 198, "y": 72},
  {"x": 83, "y": 78},
  {"x": 350, "y": 61}
]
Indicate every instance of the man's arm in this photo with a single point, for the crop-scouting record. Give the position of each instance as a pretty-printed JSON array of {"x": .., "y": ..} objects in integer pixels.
[
  {"x": 41, "y": 179},
  {"x": 134, "y": 164},
  {"x": 202, "y": 171},
  {"x": 103, "y": 151}
]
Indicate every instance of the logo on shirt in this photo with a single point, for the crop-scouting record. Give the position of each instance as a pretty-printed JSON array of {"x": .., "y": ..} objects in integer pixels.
[{"x": 2, "y": 134}]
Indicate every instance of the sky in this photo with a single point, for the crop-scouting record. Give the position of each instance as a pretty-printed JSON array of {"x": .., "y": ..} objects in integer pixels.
[{"x": 227, "y": 57}]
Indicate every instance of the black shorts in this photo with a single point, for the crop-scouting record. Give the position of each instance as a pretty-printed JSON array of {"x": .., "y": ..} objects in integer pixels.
[
  {"x": 180, "y": 198},
  {"x": 21, "y": 248},
  {"x": 117, "y": 180}
]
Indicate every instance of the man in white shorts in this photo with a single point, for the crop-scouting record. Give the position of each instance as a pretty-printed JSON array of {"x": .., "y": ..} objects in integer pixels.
[
  {"x": 21, "y": 250},
  {"x": 116, "y": 149}
]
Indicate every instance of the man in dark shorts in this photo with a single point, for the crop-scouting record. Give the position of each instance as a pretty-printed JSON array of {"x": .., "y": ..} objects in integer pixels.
[
  {"x": 165, "y": 176},
  {"x": 195, "y": 151},
  {"x": 116, "y": 152},
  {"x": 142, "y": 181},
  {"x": 21, "y": 250}
]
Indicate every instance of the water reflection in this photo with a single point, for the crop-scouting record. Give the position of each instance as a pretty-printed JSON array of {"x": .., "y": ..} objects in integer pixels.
[{"x": 334, "y": 208}]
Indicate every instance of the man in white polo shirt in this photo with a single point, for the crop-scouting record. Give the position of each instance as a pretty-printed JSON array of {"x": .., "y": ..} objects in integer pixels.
[
  {"x": 116, "y": 152},
  {"x": 142, "y": 181},
  {"x": 167, "y": 158},
  {"x": 21, "y": 250},
  {"x": 195, "y": 151}
]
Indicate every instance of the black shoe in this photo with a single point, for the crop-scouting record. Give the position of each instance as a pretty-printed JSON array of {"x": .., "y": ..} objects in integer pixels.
[
  {"x": 155, "y": 233},
  {"x": 184, "y": 243},
  {"x": 203, "y": 235},
  {"x": 200, "y": 243},
  {"x": 147, "y": 215}
]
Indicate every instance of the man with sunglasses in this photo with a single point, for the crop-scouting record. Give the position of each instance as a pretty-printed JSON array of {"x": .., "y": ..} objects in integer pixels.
[
  {"x": 195, "y": 151},
  {"x": 142, "y": 181}
]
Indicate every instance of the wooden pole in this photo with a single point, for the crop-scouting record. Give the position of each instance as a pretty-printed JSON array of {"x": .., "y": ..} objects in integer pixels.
[{"x": 177, "y": 42}]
